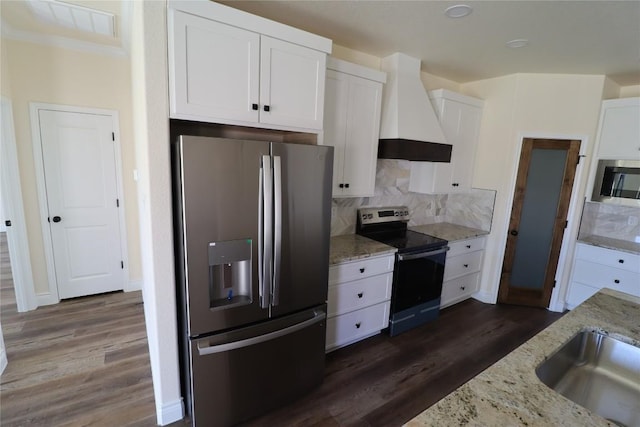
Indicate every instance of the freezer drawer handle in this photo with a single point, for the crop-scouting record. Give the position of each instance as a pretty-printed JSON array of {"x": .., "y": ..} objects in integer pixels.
[{"x": 204, "y": 349}]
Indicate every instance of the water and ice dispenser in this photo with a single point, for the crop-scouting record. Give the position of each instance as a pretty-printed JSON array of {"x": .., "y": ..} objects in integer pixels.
[{"x": 230, "y": 273}]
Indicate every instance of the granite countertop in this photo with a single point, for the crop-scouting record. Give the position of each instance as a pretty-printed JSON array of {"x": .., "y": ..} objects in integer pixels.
[
  {"x": 510, "y": 394},
  {"x": 448, "y": 231},
  {"x": 609, "y": 243},
  {"x": 351, "y": 247}
]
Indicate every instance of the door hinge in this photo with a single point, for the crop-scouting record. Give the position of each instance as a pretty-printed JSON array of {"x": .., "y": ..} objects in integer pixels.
[
  {"x": 566, "y": 224},
  {"x": 113, "y": 136},
  {"x": 579, "y": 157},
  {"x": 554, "y": 284},
  {"x": 117, "y": 203},
  {"x": 122, "y": 265}
]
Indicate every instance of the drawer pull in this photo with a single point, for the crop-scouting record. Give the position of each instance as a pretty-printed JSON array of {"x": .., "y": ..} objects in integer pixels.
[
  {"x": 463, "y": 288},
  {"x": 362, "y": 270},
  {"x": 616, "y": 281},
  {"x": 621, "y": 261},
  {"x": 360, "y": 294},
  {"x": 468, "y": 246},
  {"x": 466, "y": 265},
  {"x": 358, "y": 325}
]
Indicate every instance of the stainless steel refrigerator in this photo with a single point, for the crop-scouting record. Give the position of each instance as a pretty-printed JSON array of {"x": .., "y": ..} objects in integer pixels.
[{"x": 252, "y": 225}]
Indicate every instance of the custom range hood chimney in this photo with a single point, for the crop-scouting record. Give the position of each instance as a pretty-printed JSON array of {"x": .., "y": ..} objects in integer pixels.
[{"x": 409, "y": 127}]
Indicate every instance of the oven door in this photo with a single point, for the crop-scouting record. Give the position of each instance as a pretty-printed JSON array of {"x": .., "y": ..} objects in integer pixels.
[{"x": 417, "y": 278}]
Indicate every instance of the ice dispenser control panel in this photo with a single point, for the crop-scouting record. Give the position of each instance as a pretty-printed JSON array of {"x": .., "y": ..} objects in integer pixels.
[{"x": 230, "y": 273}]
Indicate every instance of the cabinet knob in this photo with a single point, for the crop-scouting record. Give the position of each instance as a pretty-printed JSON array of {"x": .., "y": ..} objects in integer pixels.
[
  {"x": 362, "y": 270},
  {"x": 466, "y": 265},
  {"x": 463, "y": 287},
  {"x": 455, "y": 184},
  {"x": 346, "y": 185},
  {"x": 360, "y": 294},
  {"x": 358, "y": 325},
  {"x": 267, "y": 108},
  {"x": 254, "y": 107},
  {"x": 468, "y": 246},
  {"x": 341, "y": 185},
  {"x": 616, "y": 281},
  {"x": 621, "y": 261}
]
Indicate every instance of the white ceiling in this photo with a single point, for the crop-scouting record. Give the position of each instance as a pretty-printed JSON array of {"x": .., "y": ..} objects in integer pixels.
[{"x": 576, "y": 37}]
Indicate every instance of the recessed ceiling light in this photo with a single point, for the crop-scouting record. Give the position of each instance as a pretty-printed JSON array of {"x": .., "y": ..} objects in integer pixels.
[
  {"x": 458, "y": 11},
  {"x": 514, "y": 44}
]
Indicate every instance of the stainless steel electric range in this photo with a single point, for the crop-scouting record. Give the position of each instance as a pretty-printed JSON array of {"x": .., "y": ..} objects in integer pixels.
[{"x": 418, "y": 270}]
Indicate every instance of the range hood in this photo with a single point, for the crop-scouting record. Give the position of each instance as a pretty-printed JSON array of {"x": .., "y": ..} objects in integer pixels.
[{"x": 409, "y": 127}]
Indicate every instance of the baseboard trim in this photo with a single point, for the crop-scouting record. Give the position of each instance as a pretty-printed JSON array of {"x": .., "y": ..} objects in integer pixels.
[
  {"x": 133, "y": 285},
  {"x": 485, "y": 297},
  {"x": 47, "y": 299},
  {"x": 170, "y": 412},
  {"x": 3, "y": 360}
]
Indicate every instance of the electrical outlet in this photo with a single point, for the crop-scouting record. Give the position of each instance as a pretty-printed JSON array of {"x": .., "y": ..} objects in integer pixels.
[{"x": 632, "y": 220}]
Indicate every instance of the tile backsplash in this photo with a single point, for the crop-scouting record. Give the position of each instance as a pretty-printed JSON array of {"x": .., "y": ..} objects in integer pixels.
[
  {"x": 608, "y": 220},
  {"x": 473, "y": 209}
]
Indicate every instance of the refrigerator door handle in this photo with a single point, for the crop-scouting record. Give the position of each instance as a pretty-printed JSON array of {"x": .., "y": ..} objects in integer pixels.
[
  {"x": 261, "y": 235},
  {"x": 277, "y": 225},
  {"x": 205, "y": 349},
  {"x": 267, "y": 232}
]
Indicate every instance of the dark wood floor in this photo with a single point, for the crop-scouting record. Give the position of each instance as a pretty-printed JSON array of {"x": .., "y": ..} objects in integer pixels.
[{"x": 85, "y": 362}]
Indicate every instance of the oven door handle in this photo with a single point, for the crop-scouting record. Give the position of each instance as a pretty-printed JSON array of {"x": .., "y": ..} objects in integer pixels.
[{"x": 408, "y": 257}]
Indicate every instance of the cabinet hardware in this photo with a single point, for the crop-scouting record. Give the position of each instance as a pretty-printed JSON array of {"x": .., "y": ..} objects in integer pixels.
[
  {"x": 616, "y": 281},
  {"x": 254, "y": 107},
  {"x": 362, "y": 270},
  {"x": 267, "y": 108},
  {"x": 8, "y": 223},
  {"x": 358, "y": 325},
  {"x": 341, "y": 185},
  {"x": 621, "y": 261},
  {"x": 463, "y": 287},
  {"x": 466, "y": 265},
  {"x": 468, "y": 246},
  {"x": 455, "y": 184},
  {"x": 360, "y": 295},
  {"x": 346, "y": 185}
]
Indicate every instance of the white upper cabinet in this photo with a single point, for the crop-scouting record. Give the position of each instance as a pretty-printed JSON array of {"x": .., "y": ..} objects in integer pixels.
[
  {"x": 352, "y": 126},
  {"x": 459, "y": 117},
  {"x": 619, "y": 133},
  {"x": 230, "y": 67}
]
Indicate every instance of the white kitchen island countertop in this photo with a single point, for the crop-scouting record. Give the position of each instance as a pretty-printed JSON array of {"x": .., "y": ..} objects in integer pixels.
[{"x": 509, "y": 393}]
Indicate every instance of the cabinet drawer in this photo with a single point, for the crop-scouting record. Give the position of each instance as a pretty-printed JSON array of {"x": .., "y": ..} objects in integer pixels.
[
  {"x": 350, "y": 327},
  {"x": 360, "y": 269},
  {"x": 612, "y": 258},
  {"x": 462, "y": 264},
  {"x": 602, "y": 276},
  {"x": 578, "y": 293},
  {"x": 456, "y": 290},
  {"x": 358, "y": 294},
  {"x": 465, "y": 246}
]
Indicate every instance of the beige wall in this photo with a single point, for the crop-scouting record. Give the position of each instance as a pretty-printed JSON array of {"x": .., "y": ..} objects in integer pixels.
[
  {"x": 517, "y": 106},
  {"x": 5, "y": 85},
  {"x": 60, "y": 76},
  {"x": 629, "y": 91}
]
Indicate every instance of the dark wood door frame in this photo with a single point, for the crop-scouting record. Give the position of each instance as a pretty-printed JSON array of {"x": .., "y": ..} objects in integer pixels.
[{"x": 537, "y": 297}]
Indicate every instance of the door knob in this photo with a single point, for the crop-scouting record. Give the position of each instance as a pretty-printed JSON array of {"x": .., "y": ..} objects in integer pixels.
[
  {"x": 514, "y": 232},
  {"x": 57, "y": 219}
]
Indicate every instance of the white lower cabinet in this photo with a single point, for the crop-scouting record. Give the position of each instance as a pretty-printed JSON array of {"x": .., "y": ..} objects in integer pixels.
[
  {"x": 596, "y": 268},
  {"x": 462, "y": 270},
  {"x": 358, "y": 302}
]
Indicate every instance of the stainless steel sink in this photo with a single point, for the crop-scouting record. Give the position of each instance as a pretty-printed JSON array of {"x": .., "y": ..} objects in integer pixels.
[{"x": 599, "y": 373}]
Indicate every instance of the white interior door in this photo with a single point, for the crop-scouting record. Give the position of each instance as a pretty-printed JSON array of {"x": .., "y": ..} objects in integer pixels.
[{"x": 80, "y": 175}]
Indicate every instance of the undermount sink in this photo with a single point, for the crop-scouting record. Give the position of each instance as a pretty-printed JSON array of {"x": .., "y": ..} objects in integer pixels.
[{"x": 599, "y": 373}]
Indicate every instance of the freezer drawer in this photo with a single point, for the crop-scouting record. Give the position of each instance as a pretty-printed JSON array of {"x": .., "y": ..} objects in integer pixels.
[{"x": 244, "y": 373}]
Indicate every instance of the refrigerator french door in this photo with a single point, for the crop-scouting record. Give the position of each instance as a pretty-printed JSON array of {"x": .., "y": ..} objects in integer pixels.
[{"x": 252, "y": 246}]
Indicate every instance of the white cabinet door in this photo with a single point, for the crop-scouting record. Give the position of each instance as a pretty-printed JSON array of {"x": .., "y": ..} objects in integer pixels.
[
  {"x": 215, "y": 70},
  {"x": 459, "y": 117},
  {"x": 292, "y": 81},
  {"x": 335, "y": 123},
  {"x": 363, "y": 127},
  {"x": 620, "y": 129},
  {"x": 352, "y": 126}
]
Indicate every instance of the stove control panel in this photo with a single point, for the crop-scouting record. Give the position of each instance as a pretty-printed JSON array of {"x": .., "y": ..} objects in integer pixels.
[{"x": 385, "y": 214}]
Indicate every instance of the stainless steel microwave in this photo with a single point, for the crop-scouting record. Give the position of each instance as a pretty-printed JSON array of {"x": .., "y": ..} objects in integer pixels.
[{"x": 617, "y": 181}]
